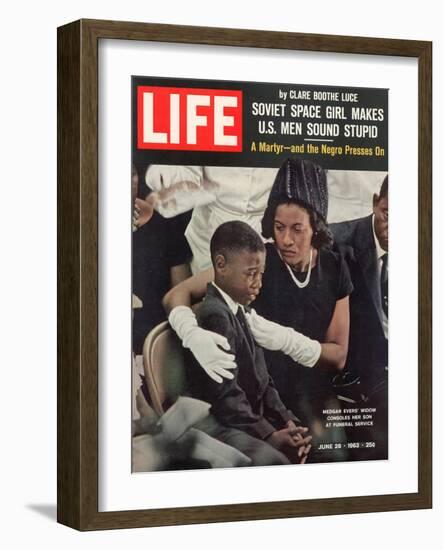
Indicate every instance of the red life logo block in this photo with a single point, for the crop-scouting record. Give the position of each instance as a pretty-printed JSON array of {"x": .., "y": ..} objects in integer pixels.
[{"x": 189, "y": 119}]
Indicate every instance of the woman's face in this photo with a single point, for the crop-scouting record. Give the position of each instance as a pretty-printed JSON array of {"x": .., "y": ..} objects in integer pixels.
[{"x": 293, "y": 234}]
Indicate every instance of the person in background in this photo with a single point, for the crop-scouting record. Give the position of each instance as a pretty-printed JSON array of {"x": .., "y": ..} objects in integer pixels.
[
  {"x": 364, "y": 243},
  {"x": 160, "y": 260},
  {"x": 220, "y": 194}
]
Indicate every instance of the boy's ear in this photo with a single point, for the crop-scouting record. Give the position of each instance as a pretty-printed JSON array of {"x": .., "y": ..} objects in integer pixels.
[
  {"x": 375, "y": 200},
  {"x": 220, "y": 262}
]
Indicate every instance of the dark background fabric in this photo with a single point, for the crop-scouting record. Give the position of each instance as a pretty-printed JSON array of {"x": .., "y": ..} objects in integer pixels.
[
  {"x": 307, "y": 310},
  {"x": 156, "y": 247}
]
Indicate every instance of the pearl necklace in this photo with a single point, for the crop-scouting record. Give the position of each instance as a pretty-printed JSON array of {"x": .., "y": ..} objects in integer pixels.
[{"x": 300, "y": 284}]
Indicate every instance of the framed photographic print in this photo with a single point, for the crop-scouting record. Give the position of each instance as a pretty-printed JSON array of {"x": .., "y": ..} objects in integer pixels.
[{"x": 233, "y": 341}]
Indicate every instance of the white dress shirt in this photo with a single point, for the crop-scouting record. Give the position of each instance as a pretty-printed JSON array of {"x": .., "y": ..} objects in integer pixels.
[
  {"x": 240, "y": 194},
  {"x": 233, "y": 306}
]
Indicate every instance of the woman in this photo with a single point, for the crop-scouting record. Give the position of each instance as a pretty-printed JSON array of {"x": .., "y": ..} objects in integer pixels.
[{"x": 305, "y": 287}]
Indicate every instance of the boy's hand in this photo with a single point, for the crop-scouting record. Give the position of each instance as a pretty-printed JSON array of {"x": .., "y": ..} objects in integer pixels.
[
  {"x": 292, "y": 441},
  {"x": 300, "y": 433}
]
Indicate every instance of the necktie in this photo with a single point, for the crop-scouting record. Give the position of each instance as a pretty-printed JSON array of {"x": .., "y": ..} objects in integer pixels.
[
  {"x": 384, "y": 283},
  {"x": 244, "y": 325}
]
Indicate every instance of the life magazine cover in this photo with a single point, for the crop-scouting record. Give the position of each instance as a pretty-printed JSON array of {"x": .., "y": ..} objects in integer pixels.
[{"x": 259, "y": 274}]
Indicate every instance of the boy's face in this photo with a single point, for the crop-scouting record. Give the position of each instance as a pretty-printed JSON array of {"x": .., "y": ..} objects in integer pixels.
[{"x": 240, "y": 274}]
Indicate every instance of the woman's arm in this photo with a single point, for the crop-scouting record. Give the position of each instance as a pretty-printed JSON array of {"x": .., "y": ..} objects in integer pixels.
[
  {"x": 189, "y": 291},
  {"x": 206, "y": 346},
  {"x": 179, "y": 273},
  {"x": 330, "y": 355},
  {"x": 335, "y": 348}
]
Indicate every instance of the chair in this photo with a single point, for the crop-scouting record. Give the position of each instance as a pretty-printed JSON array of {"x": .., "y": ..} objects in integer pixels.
[{"x": 164, "y": 367}]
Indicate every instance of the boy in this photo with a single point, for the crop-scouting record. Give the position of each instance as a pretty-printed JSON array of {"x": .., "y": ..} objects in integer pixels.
[{"x": 247, "y": 412}]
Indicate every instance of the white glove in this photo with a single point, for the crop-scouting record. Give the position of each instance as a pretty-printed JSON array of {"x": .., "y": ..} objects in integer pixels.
[
  {"x": 203, "y": 344},
  {"x": 275, "y": 337}
]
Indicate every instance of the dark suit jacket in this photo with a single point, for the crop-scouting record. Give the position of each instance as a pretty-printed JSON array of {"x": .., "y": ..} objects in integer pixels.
[
  {"x": 368, "y": 347},
  {"x": 250, "y": 401}
]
